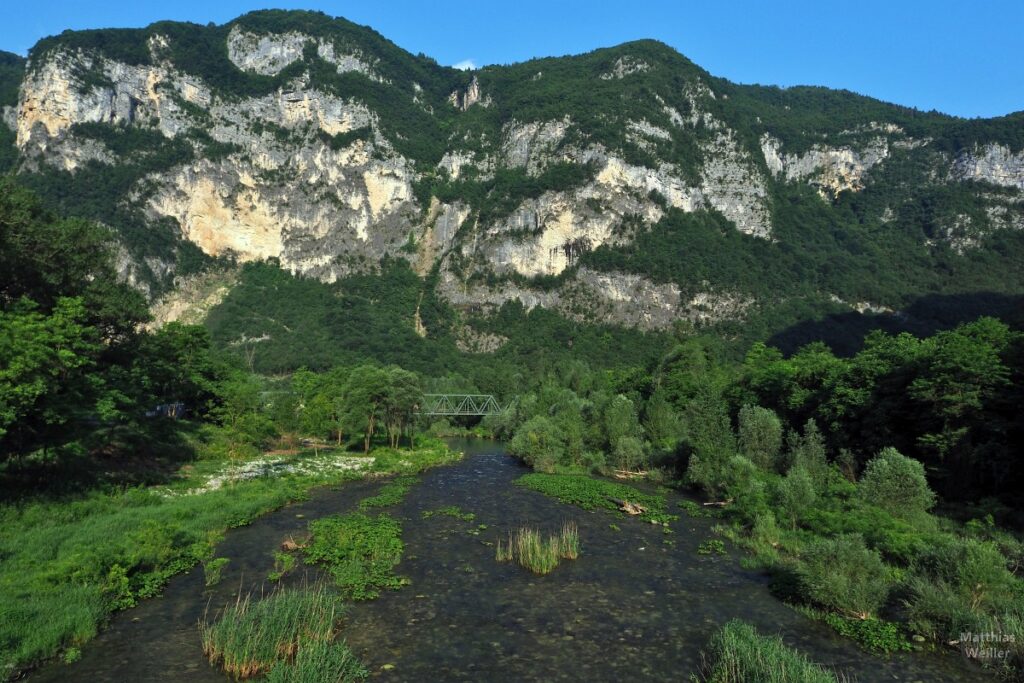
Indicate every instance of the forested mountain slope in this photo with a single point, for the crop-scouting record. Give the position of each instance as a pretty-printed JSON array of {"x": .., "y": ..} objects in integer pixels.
[{"x": 624, "y": 186}]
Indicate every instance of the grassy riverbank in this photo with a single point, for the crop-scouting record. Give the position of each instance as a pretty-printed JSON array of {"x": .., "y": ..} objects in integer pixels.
[{"x": 68, "y": 564}]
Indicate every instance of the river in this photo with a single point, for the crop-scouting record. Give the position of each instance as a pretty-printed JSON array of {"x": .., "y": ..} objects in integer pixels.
[{"x": 632, "y": 607}]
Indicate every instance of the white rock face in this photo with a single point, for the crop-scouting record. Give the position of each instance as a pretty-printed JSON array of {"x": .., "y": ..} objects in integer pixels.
[
  {"x": 831, "y": 169},
  {"x": 994, "y": 164},
  {"x": 269, "y": 54},
  {"x": 53, "y": 97},
  {"x": 264, "y": 54},
  {"x": 624, "y": 66},
  {"x": 622, "y": 298}
]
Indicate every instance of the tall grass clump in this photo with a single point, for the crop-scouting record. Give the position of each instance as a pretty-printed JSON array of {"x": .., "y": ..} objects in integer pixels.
[
  {"x": 739, "y": 654},
  {"x": 320, "y": 662},
  {"x": 252, "y": 637},
  {"x": 531, "y": 550}
]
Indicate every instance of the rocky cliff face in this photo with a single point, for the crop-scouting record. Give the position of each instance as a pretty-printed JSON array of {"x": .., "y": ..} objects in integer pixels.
[{"x": 313, "y": 170}]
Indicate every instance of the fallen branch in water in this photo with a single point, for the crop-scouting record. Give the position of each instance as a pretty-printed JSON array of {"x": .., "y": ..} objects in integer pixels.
[
  {"x": 628, "y": 507},
  {"x": 718, "y": 503}
]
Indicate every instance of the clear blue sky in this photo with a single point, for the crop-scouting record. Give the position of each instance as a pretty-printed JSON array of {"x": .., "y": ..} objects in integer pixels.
[{"x": 961, "y": 57}]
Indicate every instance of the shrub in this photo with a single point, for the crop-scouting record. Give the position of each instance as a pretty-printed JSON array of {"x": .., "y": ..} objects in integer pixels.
[
  {"x": 629, "y": 453},
  {"x": 974, "y": 571},
  {"x": 844, "y": 575},
  {"x": 760, "y": 436},
  {"x": 739, "y": 654},
  {"x": 795, "y": 494},
  {"x": 538, "y": 443},
  {"x": 896, "y": 483}
]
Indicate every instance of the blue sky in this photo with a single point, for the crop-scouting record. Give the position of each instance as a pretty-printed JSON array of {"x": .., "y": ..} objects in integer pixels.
[{"x": 960, "y": 57}]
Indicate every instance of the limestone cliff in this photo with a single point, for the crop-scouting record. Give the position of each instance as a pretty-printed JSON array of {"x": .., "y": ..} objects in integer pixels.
[{"x": 323, "y": 146}]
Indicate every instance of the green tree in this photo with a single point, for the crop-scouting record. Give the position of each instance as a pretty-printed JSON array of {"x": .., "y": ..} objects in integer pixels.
[
  {"x": 844, "y": 575},
  {"x": 896, "y": 483},
  {"x": 366, "y": 391},
  {"x": 401, "y": 397},
  {"x": 760, "y": 436},
  {"x": 539, "y": 444}
]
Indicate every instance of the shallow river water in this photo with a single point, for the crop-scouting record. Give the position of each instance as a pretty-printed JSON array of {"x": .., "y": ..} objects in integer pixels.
[{"x": 632, "y": 607}]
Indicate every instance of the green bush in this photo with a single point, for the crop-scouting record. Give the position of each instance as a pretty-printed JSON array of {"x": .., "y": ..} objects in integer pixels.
[
  {"x": 844, "y": 575},
  {"x": 539, "y": 443},
  {"x": 896, "y": 483}
]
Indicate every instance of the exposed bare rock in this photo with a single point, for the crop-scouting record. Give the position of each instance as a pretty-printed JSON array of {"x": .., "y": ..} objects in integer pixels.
[
  {"x": 995, "y": 164},
  {"x": 624, "y": 66}
]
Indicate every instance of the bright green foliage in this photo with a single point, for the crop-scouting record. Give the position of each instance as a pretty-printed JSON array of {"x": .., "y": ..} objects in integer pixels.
[
  {"x": 739, "y": 654},
  {"x": 527, "y": 547},
  {"x": 629, "y": 453},
  {"x": 358, "y": 551},
  {"x": 538, "y": 443},
  {"x": 760, "y": 436},
  {"x": 254, "y": 637},
  {"x": 589, "y": 493},
  {"x": 450, "y": 511},
  {"x": 896, "y": 483},
  {"x": 844, "y": 575},
  {"x": 68, "y": 564},
  {"x": 796, "y": 495},
  {"x": 712, "y": 546},
  {"x": 390, "y": 494},
  {"x": 212, "y": 570},
  {"x": 319, "y": 662},
  {"x": 874, "y": 635}
]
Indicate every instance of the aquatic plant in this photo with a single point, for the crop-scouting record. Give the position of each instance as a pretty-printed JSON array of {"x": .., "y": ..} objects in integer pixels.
[
  {"x": 712, "y": 546},
  {"x": 283, "y": 563},
  {"x": 450, "y": 511},
  {"x": 391, "y": 493},
  {"x": 569, "y": 541},
  {"x": 739, "y": 654},
  {"x": 359, "y": 551},
  {"x": 212, "y": 570},
  {"x": 532, "y": 551},
  {"x": 590, "y": 494},
  {"x": 253, "y": 636}
]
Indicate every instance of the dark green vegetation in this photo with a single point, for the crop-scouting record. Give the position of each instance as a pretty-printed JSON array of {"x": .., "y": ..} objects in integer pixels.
[
  {"x": 825, "y": 467},
  {"x": 739, "y": 654},
  {"x": 358, "y": 551},
  {"x": 589, "y": 494},
  {"x": 390, "y": 494},
  {"x": 289, "y": 635}
]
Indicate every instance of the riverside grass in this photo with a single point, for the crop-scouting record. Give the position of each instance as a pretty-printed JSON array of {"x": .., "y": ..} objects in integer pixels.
[
  {"x": 69, "y": 563},
  {"x": 289, "y": 635},
  {"x": 737, "y": 653},
  {"x": 527, "y": 547}
]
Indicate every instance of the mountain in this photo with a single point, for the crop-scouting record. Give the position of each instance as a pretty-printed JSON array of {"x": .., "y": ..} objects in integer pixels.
[{"x": 625, "y": 186}]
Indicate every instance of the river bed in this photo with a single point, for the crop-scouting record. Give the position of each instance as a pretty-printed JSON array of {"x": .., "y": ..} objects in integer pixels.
[{"x": 638, "y": 604}]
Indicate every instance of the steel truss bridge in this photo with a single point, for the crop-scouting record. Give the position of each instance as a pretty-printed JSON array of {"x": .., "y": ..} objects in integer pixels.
[{"x": 460, "y": 404}]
